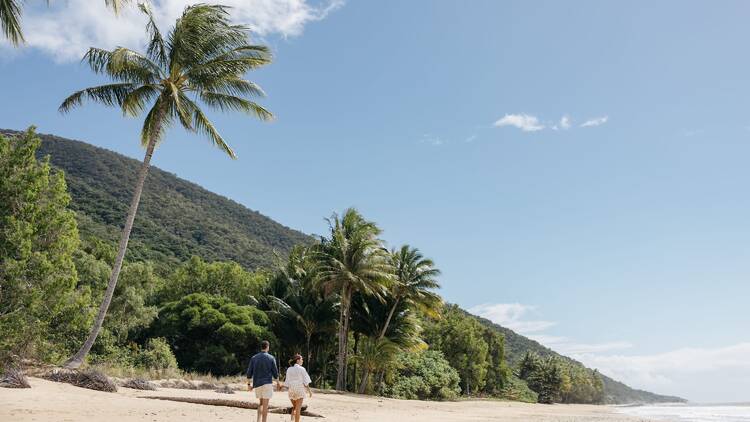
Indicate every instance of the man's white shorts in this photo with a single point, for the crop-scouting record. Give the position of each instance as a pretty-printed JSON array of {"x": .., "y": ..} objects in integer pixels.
[{"x": 265, "y": 391}]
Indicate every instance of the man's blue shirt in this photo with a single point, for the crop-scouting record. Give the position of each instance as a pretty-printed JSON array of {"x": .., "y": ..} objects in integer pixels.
[{"x": 262, "y": 369}]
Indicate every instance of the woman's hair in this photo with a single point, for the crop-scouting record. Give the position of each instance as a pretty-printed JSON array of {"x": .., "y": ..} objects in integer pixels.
[{"x": 294, "y": 360}]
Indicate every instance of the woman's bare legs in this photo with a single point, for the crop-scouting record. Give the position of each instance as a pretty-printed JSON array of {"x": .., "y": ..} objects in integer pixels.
[{"x": 297, "y": 410}]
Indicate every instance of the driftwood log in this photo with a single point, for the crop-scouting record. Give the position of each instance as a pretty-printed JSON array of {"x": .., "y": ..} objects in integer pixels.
[{"x": 234, "y": 403}]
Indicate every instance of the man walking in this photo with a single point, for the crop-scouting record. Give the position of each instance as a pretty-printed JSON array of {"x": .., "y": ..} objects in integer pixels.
[{"x": 261, "y": 372}]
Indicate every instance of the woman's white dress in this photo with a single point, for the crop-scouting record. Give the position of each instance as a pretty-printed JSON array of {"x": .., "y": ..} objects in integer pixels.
[{"x": 296, "y": 380}]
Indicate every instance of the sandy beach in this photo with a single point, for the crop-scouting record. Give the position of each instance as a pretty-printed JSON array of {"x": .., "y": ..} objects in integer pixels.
[{"x": 50, "y": 401}]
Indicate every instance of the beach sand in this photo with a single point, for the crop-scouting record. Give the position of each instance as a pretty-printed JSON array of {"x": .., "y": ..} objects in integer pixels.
[{"x": 50, "y": 401}]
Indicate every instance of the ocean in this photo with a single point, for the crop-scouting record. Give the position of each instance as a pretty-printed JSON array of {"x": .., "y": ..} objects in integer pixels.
[{"x": 739, "y": 412}]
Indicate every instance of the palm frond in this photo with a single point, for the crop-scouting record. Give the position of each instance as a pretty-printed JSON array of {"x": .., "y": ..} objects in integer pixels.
[
  {"x": 156, "y": 50},
  {"x": 123, "y": 64},
  {"x": 10, "y": 21},
  {"x": 155, "y": 122},
  {"x": 135, "y": 102},
  {"x": 203, "y": 125},
  {"x": 116, "y": 5},
  {"x": 110, "y": 95},
  {"x": 230, "y": 102}
]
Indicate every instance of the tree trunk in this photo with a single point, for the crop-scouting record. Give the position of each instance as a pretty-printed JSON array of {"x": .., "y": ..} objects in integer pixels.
[
  {"x": 388, "y": 320},
  {"x": 381, "y": 377},
  {"x": 353, "y": 383},
  {"x": 365, "y": 376},
  {"x": 343, "y": 338},
  {"x": 309, "y": 352},
  {"x": 366, "y": 370},
  {"x": 77, "y": 360}
]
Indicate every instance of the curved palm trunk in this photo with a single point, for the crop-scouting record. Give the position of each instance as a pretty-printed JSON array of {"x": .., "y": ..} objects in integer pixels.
[
  {"x": 366, "y": 370},
  {"x": 77, "y": 360},
  {"x": 346, "y": 294},
  {"x": 308, "y": 336}
]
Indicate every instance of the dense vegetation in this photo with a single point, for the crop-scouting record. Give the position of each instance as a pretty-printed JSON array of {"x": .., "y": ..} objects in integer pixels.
[
  {"x": 176, "y": 219},
  {"x": 208, "y": 315}
]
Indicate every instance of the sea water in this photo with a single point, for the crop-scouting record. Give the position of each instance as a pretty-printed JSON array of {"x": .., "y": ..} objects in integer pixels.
[{"x": 739, "y": 412}]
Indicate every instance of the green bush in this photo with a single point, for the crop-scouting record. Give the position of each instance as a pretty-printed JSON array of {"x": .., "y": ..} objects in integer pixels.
[
  {"x": 424, "y": 376},
  {"x": 157, "y": 355},
  {"x": 517, "y": 390},
  {"x": 210, "y": 334}
]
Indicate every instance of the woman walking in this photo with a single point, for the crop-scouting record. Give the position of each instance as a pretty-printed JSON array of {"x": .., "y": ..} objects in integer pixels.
[{"x": 298, "y": 382}]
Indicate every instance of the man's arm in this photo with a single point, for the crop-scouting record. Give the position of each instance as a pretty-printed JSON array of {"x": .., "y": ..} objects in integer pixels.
[
  {"x": 275, "y": 373},
  {"x": 250, "y": 370}
]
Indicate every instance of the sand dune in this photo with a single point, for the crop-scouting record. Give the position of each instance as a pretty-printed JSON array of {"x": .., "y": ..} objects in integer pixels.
[{"x": 49, "y": 401}]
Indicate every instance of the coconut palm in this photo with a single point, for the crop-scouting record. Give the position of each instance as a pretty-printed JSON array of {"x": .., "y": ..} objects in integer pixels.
[
  {"x": 203, "y": 58},
  {"x": 414, "y": 277},
  {"x": 299, "y": 302},
  {"x": 351, "y": 260},
  {"x": 10, "y": 18},
  {"x": 368, "y": 318}
]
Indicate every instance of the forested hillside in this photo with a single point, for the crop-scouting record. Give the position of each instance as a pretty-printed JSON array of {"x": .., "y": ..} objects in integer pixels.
[
  {"x": 516, "y": 346},
  {"x": 183, "y": 240},
  {"x": 176, "y": 218}
]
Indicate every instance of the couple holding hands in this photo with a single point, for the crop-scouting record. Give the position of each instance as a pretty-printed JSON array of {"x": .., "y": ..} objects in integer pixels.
[{"x": 261, "y": 372}]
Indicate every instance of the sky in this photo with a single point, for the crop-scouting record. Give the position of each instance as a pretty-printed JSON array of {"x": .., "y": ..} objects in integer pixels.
[{"x": 577, "y": 170}]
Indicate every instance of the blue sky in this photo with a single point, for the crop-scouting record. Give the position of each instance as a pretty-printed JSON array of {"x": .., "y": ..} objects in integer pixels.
[{"x": 578, "y": 170}]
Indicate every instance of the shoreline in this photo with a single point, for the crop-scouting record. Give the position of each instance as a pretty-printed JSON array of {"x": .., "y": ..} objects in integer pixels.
[{"x": 51, "y": 401}]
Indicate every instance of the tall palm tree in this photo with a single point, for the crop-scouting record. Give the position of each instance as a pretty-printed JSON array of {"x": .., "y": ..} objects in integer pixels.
[
  {"x": 414, "y": 281},
  {"x": 204, "y": 57},
  {"x": 10, "y": 18},
  {"x": 351, "y": 260}
]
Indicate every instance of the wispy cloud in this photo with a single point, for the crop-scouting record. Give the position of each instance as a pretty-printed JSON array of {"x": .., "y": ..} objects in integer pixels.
[
  {"x": 513, "y": 316},
  {"x": 65, "y": 30},
  {"x": 690, "y": 371},
  {"x": 525, "y": 122},
  {"x": 431, "y": 140},
  {"x": 531, "y": 123},
  {"x": 595, "y": 122},
  {"x": 707, "y": 374},
  {"x": 565, "y": 122}
]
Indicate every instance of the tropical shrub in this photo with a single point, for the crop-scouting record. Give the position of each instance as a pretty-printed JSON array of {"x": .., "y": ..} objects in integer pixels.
[
  {"x": 210, "y": 334},
  {"x": 424, "y": 375}
]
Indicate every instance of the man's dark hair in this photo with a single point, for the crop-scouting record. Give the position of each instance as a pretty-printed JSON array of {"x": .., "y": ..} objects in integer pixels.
[{"x": 264, "y": 345}]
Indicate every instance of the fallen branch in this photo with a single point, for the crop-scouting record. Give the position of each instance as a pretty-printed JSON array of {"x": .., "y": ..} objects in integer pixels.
[{"x": 233, "y": 403}]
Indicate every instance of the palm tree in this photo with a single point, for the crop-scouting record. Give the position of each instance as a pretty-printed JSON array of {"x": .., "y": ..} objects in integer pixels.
[
  {"x": 352, "y": 260},
  {"x": 204, "y": 57},
  {"x": 414, "y": 282},
  {"x": 299, "y": 302},
  {"x": 368, "y": 318},
  {"x": 414, "y": 277},
  {"x": 10, "y": 18}
]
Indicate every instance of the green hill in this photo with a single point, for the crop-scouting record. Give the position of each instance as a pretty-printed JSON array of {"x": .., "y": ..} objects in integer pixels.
[
  {"x": 616, "y": 392},
  {"x": 178, "y": 219}
]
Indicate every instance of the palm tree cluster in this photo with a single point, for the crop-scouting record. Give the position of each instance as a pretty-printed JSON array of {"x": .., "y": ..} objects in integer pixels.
[{"x": 350, "y": 285}]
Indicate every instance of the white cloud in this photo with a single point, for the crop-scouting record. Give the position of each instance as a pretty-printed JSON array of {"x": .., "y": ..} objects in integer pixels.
[
  {"x": 565, "y": 122},
  {"x": 511, "y": 315},
  {"x": 689, "y": 371},
  {"x": 431, "y": 140},
  {"x": 719, "y": 374},
  {"x": 595, "y": 122},
  {"x": 525, "y": 122},
  {"x": 65, "y": 30}
]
